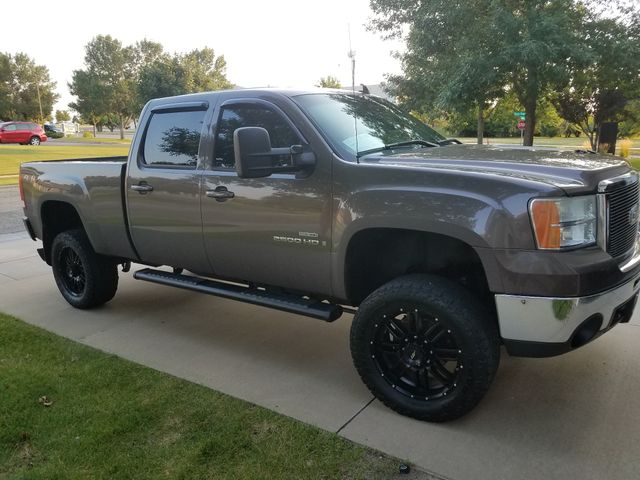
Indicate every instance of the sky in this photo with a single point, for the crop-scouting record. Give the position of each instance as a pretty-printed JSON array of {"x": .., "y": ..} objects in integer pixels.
[{"x": 278, "y": 43}]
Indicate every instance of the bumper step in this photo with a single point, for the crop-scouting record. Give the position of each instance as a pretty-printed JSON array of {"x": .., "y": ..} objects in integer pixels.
[{"x": 279, "y": 301}]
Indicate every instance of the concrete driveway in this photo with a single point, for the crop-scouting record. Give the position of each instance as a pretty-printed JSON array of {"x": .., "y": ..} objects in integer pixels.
[{"x": 575, "y": 416}]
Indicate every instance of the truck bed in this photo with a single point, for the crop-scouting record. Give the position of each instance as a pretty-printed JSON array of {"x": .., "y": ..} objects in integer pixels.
[{"x": 93, "y": 186}]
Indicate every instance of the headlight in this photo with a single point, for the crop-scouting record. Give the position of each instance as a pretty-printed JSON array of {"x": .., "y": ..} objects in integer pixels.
[{"x": 564, "y": 222}]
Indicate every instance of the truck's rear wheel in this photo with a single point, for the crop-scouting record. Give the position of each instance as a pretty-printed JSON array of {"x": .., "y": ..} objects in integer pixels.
[
  {"x": 84, "y": 278},
  {"x": 425, "y": 347}
]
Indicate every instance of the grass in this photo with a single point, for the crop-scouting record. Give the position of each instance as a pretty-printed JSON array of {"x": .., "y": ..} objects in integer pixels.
[
  {"x": 113, "y": 419},
  {"x": 81, "y": 140},
  {"x": 11, "y": 156},
  {"x": 557, "y": 142}
]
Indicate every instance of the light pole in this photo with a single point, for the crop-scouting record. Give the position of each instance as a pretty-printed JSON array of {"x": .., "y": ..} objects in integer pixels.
[{"x": 39, "y": 101}]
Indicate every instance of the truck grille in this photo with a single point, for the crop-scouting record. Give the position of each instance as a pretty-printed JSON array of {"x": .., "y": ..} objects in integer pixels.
[{"x": 623, "y": 222}]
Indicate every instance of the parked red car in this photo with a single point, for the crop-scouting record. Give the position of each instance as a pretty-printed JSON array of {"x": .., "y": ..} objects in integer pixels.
[{"x": 22, "y": 132}]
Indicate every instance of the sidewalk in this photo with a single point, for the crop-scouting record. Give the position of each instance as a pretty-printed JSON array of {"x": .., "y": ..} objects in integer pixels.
[{"x": 574, "y": 416}]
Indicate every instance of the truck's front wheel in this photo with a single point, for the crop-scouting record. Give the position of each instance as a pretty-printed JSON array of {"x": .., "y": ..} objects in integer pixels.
[
  {"x": 84, "y": 278},
  {"x": 425, "y": 347}
]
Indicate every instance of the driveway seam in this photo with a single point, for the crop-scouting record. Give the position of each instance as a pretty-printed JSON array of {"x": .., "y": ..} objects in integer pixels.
[{"x": 355, "y": 415}]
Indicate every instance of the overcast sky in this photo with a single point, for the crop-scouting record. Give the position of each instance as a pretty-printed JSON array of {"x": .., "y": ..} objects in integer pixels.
[{"x": 274, "y": 42}]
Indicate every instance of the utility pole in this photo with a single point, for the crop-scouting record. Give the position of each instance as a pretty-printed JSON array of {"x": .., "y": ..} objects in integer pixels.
[{"x": 39, "y": 101}]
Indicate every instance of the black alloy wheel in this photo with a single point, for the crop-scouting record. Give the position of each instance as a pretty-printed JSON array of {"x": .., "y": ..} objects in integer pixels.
[
  {"x": 425, "y": 347},
  {"x": 416, "y": 353},
  {"x": 73, "y": 277},
  {"x": 85, "y": 279}
]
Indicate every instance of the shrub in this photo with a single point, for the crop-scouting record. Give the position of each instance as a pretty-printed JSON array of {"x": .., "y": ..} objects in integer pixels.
[
  {"x": 625, "y": 148},
  {"x": 86, "y": 134},
  {"x": 55, "y": 134}
]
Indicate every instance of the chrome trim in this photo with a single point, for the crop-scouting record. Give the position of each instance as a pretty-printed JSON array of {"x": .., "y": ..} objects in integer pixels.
[
  {"x": 553, "y": 320},
  {"x": 624, "y": 179},
  {"x": 602, "y": 237},
  {"x": 634, "y": 261}
]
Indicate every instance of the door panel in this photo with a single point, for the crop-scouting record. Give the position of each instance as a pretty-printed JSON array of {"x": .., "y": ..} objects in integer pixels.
[
  {"x": 163, "y": 191},
  {"x": 275, "y": 230}
]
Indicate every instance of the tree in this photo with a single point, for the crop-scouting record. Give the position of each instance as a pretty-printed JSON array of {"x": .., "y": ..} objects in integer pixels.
[
  {"x": 605, "y": 89},
  {"x": 107, "y": 84},
  {"x": 329, "y": 82},
  {"x": 118, "y": 80},
  {"x": 196, "y": 71},
  {"x": 91, "y": 102},
  {"x": 463, "y": 54},
  {"x": 26, "y": 90},
  {"x": 62, "y": 116},
  {"x": 450, "y": 62},
  {"x": 5, "y": 86}
]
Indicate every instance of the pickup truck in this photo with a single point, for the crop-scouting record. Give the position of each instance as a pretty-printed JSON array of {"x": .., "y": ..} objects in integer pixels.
[{"x": 323, "y": 202}]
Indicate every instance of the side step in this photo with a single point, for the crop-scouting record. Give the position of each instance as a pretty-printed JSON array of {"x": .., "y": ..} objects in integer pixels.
[{"x": 279, "y": 301}]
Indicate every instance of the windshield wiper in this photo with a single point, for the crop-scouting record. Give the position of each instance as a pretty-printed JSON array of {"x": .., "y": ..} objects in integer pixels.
[
  {"x": 449, "y": 141},
  {"x": 390, "y": 146}
]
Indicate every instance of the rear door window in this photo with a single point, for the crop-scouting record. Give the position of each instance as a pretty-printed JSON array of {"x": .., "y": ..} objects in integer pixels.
[
  {"x": 173, "y": 139},
  {"x": 10, "y": 128}
]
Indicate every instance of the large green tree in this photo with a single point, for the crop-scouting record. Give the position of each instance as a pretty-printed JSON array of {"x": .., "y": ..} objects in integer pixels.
[
  {"x": 450, "y": 62},
  {"x": 91, "y": 102},
  {"x": 468, "y": 53},
  {"x": 118, "y": 80},
  {"x": 26, "y": 89},
  {"x": 605, "y": 89},
  {"x": 167, "y": 75}
]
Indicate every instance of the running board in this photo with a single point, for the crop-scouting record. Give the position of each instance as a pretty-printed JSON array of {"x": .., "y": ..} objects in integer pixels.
[{"x": 279, "y": 301}]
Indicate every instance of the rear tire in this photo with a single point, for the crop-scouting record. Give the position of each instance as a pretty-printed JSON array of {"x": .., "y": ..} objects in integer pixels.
[
  {"x": 34, "y": 140},
  {"x": 85, "y": 279},
  {"x": 425, "y": 347}
]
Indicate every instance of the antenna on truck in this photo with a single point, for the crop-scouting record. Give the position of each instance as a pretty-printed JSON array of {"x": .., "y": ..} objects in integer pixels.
[{"x": 352, "y": 57}]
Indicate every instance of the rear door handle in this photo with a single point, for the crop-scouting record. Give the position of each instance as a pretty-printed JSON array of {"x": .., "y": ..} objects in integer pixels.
[
  {"x": 220, "y": 194},
  {"x": 142, "y": 188}
]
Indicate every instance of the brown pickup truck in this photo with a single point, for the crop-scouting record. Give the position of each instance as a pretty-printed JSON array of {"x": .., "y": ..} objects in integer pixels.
[{"x": 320, "y": 202}]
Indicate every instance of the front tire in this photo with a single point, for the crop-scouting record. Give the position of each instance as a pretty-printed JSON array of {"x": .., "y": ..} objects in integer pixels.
[
  {"x": 425, "y": 347},
  {"x": 84, "y": 278},
  {"x": 34, "y": 141}
]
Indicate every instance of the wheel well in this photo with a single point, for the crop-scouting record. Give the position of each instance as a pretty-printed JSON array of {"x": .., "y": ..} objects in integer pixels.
[
  {"x": 57, "y": 217},
  {"x": 377, "y": 256}
]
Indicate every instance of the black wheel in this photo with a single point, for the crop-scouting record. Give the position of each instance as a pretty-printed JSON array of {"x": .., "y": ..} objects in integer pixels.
[
  {"x": 425, "y": 347},
  {"x": 84, "y": 278},
  {"x": 34, "y": 141}
]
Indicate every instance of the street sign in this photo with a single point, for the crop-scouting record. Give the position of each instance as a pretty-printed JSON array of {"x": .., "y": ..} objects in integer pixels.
[
  {"x": 521, "y": 125},
  {"x": 522, "y": 115}
]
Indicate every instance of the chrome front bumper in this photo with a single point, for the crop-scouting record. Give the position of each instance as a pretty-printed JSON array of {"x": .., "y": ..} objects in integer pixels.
[{"x": 548, "y": 324}]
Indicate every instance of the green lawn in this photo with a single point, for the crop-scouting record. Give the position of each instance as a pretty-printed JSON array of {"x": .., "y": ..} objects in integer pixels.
[
  {"x": 106, "y": 140},
  {"x": 11, "y": 156},
  {"x": 113, "y": 419}
]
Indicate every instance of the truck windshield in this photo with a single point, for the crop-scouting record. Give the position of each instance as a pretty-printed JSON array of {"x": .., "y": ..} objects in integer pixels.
[{"x": 379, "y": 124}]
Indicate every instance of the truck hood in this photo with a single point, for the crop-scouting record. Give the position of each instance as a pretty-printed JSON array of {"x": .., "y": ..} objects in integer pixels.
[{"x": 572, "y": 171}]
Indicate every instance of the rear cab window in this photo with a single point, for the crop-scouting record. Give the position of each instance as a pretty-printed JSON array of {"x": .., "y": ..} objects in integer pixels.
[{"x": 172, "y": 139}]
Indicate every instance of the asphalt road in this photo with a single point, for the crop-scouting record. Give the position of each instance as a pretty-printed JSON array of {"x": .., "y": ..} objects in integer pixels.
[{"x": 10, "y": 210}]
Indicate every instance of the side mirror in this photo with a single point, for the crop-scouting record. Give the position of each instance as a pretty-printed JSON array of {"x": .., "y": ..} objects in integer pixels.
[{"x": 255, "y": 157}]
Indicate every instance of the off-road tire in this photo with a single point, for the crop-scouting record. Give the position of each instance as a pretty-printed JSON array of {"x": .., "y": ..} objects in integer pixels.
[
  {"x": 448, "y": 305},
  {"x": 85, "y": 278}
]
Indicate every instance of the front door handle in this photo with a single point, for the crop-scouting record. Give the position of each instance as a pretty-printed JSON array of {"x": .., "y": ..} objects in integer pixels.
[
  {"x": 142, "y": 188},
  {"x": 220, "y": 194}
]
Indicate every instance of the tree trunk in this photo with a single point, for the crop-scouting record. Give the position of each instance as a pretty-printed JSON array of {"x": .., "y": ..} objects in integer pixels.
[
  {"x": 121, "y": 127},
  {"x": 94, "y": 130},
  {"x": 530, "y": 128},
  {"x": 480, "y": 124}
]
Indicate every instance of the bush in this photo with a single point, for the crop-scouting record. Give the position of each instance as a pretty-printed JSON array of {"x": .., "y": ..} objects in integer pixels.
[
  {"x": 625, "y": 148},
  {"x": 87, "y": 134},
  {"x": 55, "y": 134}
]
